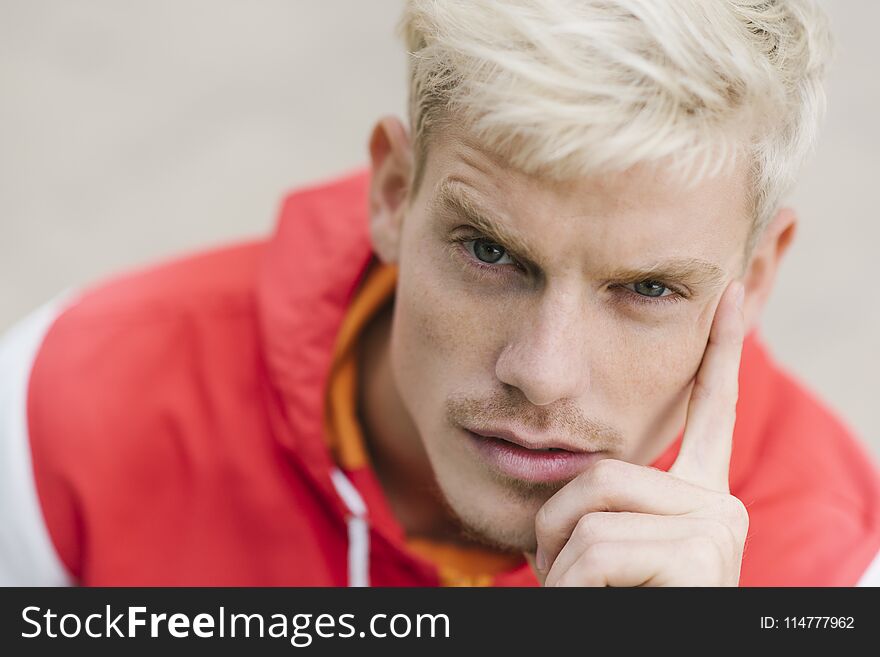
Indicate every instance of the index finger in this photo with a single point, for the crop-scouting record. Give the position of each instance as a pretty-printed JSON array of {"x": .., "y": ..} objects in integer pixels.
[{"x": 704, "y": 456}]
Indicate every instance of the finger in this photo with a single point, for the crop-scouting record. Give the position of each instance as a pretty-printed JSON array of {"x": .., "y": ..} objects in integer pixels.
[
  {"x": 691, "y": 561},
  {"x": 614, "y": 527},
  {"x": 612, "y": 485},
  {"x": 704, "y": 456},
  {"x": 625, "y": 563}
]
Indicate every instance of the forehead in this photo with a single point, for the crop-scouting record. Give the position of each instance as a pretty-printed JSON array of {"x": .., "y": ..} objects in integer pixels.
[{"x": 646, "y": 211}]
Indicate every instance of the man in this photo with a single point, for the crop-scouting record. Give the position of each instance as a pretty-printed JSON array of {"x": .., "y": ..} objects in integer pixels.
[{"x": 522, "y": 348}]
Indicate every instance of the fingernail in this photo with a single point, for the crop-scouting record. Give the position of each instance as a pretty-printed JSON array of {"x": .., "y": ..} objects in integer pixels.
[
  {"x": 740, "y": 295},
  {"x": 541, "y": 560}
]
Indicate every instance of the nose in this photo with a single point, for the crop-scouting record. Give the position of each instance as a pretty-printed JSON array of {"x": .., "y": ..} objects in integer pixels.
[{"x": 547, "y": 357}]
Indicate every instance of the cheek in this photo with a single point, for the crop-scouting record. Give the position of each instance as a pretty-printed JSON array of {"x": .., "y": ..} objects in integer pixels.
[
  {"x": 440, "y": 339},
  {"x": 644, "y": 372}
]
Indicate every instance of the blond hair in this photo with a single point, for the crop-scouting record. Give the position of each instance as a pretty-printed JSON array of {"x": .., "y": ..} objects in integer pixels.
[{"x": 563, "y": 88}]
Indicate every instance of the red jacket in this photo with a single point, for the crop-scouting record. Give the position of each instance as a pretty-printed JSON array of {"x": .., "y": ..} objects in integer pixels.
[{"x": 165, "y": 428}]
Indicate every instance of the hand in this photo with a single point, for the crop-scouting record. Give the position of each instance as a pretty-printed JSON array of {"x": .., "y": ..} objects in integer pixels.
[{"x": 621, "y": 524}]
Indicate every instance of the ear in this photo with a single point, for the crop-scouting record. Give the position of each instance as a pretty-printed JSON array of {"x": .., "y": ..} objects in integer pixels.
[
  {"x": 391, "y": 158},
  {"x": 760, "y": 274}
]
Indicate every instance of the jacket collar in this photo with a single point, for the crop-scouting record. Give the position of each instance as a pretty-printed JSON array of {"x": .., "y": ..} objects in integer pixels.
[{"x": 309, "y": 271}]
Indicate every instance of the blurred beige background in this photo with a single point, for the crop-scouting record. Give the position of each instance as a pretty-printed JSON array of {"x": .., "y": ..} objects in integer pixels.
[{"x": 136, "y": 130}]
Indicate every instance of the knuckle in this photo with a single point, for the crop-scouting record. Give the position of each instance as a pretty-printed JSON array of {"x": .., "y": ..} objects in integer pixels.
[
  {"x": 596, "y": 556},
  {"x": 602, "y": 470},
  {"x": 590, "y": 569},
  {"x": 737, "y": 515},
  {"x": 601, "y": 478},
  {"x": 589, "y": 528},
  {"x": 725, "y": 507}
]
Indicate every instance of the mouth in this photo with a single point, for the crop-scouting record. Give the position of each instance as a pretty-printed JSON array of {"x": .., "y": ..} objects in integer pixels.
[{"x": 531, "y": 461}]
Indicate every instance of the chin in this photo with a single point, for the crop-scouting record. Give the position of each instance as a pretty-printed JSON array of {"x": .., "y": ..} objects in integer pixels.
[{"x": 497, "y": 514}]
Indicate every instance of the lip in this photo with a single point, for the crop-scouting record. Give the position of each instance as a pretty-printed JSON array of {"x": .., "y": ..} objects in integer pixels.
[
  {"x": 517, "y": 461},
  {"x": 522, "y": 439}
]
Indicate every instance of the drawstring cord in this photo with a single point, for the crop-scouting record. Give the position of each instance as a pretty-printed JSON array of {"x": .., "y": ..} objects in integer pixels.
[{"x": 358, "y": 530}]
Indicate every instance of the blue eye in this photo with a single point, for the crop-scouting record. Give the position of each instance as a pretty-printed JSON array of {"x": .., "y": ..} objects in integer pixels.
[
  {"x": 487, "y": 252},
  {"x": 651, "y": 289}
]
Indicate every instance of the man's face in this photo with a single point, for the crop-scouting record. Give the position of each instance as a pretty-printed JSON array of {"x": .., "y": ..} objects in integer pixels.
[{"x": 581, "y": 329}]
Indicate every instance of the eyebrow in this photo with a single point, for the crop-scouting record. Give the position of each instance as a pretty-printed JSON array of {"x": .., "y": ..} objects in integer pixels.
[
  {"x": 452, "y": 195},
  {"x": 689, "y": 271}
]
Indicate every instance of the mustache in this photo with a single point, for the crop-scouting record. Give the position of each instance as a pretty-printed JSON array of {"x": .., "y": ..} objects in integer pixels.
[{"x": 563, "y": 419}]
